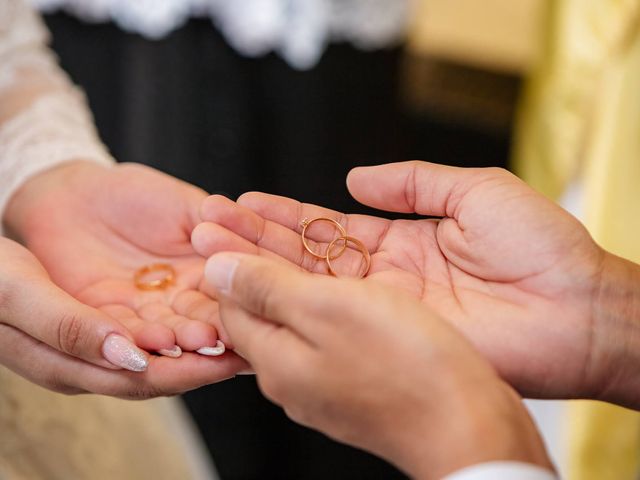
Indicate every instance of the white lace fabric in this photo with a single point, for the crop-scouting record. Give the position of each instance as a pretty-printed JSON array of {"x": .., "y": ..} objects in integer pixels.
[
  {"x": 44, "y": 119},
  {"x": 298, "y": 30}
]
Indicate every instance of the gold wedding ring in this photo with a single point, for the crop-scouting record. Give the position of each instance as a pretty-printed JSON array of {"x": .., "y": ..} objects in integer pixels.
[
  {"x": 346, "y": 239},
  {"x": 145, "y": 277},
  {"x": 305, "y": 224},
  {"x": 329, "y": 256}
]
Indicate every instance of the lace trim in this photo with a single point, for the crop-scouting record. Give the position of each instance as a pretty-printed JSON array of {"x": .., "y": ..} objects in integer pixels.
[
  {"x": 299, "y": 30},
  {"x": 23, "y": 55},
  {"x": 56, "y": 128}
]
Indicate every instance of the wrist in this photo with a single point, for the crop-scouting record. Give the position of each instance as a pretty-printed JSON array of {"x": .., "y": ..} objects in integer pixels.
[
  {"x": 615, "y": 356},
  {"x": 496, "y": 427},
  {"x": 36, "y": 189}
]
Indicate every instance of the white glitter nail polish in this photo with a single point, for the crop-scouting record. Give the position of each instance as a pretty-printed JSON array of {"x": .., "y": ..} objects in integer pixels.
[
  {"x": 216, "y": 351},
  {"x": 119, "y": 351}
]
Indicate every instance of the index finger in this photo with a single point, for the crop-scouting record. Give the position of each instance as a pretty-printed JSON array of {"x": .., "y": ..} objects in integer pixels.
[{"x": 274, "y": 223}]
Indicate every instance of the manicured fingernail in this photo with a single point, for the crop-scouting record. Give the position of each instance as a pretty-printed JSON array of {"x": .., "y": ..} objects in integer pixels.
[
  {"x": 216, "y": 351},
  {"x": 175, "y": 352},
  {"x": 119, "y": 351},
  {"x": 219, "y": 272}
]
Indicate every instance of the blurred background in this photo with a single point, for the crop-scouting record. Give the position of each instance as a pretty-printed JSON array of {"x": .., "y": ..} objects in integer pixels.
[{"x": 545, "y": 88}]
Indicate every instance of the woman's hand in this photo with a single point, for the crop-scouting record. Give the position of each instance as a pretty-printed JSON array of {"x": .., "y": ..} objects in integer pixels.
[
  {"x": 372, "y": 367},
  {"x": 54, "y": 340},
  {"x": 92, "y": 227},
  {"x": 509, "y": 268}
]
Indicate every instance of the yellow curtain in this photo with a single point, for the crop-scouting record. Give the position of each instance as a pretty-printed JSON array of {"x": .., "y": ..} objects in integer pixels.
[
  {"x": 499, "y": 35},
  {"x": 580, "y": 121}
]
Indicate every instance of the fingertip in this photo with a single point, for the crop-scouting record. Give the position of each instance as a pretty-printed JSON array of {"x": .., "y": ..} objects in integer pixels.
[
  {"x": 351, "y": 178},
  {"x": 200, "y": 238},
  {"x": 247, "y": 197},
  {"x": 211, "y": 205},
  {"x": 209, "y": 238},
  {"x": 255, "y": 201},
  {"x": 175, "y": 352},
  {"x": 355, "y": 173},
  {"x": 154, "y": 337},
  {"x": 215, "y": 351},
  {"x": 357, "y": 177},
  {"x": 119, "y": 351},
  {"x": 193, "y": 335}
]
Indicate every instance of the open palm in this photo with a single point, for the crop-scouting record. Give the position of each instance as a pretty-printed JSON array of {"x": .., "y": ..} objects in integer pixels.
[
  {"x": 509, "y": 268},
  {"x": 92, "y": 228}
]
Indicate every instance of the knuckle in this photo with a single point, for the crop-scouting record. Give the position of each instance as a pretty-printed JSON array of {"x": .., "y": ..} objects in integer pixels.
[
  {"x": 126, "y": 386},
  {"x": 140, "y": 394},
  {"x": 71, "y": 333},
  {"x": 146, "y": 392},
  {"x": 499, "y": 173},
  {"x": 6, "y": 298}
]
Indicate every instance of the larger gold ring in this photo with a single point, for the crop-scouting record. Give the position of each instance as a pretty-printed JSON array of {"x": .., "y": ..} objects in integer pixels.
[
  {"x": 156, "y": 283},
  {"x": 361, "y": 246},
  {"x": 305, "y": 224}
]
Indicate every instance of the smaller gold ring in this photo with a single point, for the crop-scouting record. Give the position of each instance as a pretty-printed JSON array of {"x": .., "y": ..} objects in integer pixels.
[
  {"x": 307, "y": 223},
  {"x": 361, "y": 246},
  {"x": 156, "y": 284}
]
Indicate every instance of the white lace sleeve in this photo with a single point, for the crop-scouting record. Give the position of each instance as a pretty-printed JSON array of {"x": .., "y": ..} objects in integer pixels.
[{"x": 44, "y": 119}]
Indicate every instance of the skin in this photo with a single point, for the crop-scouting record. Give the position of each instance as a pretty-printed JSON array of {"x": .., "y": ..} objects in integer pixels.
[
  {"x": 371, "y": 366},
  {"x": 91, "y": 228},
  {"x": 519, "y": 276}
]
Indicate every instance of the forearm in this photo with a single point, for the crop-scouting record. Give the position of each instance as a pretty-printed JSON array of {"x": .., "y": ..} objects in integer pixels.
[
  {"x": 44, "y": 119},
  {"x": 615, "y": 355}
]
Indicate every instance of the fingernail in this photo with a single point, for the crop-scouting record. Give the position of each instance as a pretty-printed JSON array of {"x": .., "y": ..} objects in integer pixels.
[
  {"x": 119, "y": 351},
  {"x": 216, "y": 351},
  {"x": 175, "y": 352},
  {"x": 219, "y": 272},
  {"x": 247, "y": 372}
]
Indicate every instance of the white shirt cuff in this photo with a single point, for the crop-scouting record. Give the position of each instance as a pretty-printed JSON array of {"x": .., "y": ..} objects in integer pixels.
[{"x": 502, "y": 471}]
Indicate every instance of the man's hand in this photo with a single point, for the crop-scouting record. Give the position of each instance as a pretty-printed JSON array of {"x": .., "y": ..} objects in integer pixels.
[
  {"x": 512, "y": 270},
  {"x": 370, "y": 366},
  {"x": 92, "y": 227}
]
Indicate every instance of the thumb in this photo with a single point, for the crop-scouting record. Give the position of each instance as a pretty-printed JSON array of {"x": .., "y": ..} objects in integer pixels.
[
  {"x": 414, "y": 187},
  {"x": 261, "y": 286},
  {"x": 52, "y": 316}
]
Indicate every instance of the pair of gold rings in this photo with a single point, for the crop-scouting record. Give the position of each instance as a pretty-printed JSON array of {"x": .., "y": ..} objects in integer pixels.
[
  {"x": 159, "y": 276},
  {"x": 340, "y": 243}
]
